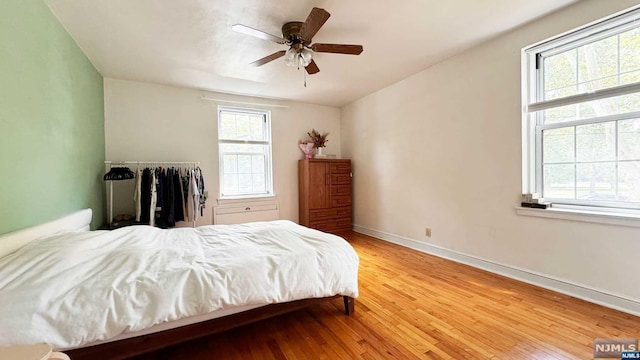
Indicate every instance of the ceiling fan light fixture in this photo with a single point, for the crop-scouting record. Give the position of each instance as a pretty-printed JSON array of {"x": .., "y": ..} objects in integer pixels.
[
  {"x": 305, "y": 57},
  {"x": 290, "y": 57},
  {"x": 297, "y": 58}
]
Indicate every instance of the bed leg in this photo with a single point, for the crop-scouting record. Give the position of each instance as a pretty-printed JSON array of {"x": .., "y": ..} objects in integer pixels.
[{"x": 349, "y": 305}]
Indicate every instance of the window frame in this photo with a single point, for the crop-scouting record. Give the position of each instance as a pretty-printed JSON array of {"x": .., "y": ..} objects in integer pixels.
[
  {"x": 532, "y": 107},
  {"x": 266, "y": 114}
]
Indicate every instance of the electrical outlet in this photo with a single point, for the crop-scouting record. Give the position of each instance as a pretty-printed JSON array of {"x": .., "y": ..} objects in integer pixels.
[{"x": 427, "y": 231}]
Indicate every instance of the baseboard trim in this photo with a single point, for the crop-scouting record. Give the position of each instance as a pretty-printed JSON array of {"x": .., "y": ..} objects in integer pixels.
[{"x": 607, "y": 299}]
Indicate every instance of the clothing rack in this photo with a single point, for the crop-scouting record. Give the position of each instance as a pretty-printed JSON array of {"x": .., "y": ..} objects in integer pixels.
[{"x": 109, "y": 164}]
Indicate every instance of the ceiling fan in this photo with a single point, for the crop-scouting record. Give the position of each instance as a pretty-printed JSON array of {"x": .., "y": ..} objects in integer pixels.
[{"x": 298, "y": 35}]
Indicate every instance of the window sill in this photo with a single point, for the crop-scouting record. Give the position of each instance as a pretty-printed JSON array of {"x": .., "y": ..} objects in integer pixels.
[
  {"x": 591, "y": 216},
  {"x": 245, "y": 199}
]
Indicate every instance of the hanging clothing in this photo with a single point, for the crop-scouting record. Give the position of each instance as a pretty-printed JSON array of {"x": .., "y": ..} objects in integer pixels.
[
  {"x": 165, "y": 196},
  {"x": 159, "y": 188},
  {"x": 145, "y": 196},
  {"x": 119, "y": 173},
  {"x": 137, "y": 194},
  {"x": 186, "y": 180},
  {"x": 184, "y": 189},
  {"x": 178, "y": 202},
  {"x": 168, "y": 212},
  {"x": 202, "y": 198},
  {"x": 154, "y": 199},
  {"x": 193, "y": 199}
]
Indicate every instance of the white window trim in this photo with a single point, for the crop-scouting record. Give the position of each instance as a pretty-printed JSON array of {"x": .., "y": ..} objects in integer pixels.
[
  {"x": 531, "y": 139},
  {"x": 231, "y": 200},
  {"x": 269, "y": 168},
  {"x": 583, "y": 214}
]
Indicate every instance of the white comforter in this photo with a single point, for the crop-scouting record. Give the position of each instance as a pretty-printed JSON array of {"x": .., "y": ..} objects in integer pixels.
[{"x": 76, "y": 288}]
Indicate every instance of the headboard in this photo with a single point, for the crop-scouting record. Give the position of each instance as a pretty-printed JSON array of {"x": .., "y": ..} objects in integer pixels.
[{"x": 78, "y": 221}]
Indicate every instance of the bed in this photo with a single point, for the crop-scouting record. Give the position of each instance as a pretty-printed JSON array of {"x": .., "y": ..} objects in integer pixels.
[{"x": 139, "y": 288}]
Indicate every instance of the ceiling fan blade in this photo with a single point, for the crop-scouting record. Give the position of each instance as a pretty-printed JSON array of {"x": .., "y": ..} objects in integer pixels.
[
  {"x": 257, "y": 33},
  {"x": 269, "y": 58},
  {"x": 337, "y": 48},
  {"x": 312, "y": 68},
  {"x": 314, "y": 22}
]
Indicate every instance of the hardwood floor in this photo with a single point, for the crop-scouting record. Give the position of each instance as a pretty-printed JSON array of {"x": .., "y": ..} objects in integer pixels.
[{"x": 416, "y": 306}]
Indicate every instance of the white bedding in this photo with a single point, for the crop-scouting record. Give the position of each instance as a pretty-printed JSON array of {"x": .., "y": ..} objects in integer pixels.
[{"x": 76, "y": 288}]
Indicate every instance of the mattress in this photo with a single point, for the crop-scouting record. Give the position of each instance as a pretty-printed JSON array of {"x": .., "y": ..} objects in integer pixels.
[{"x": 78, "y": 288}]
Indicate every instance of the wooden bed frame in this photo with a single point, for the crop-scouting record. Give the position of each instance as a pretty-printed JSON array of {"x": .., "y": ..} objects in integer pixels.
[
  {"x": 133, "y": 346},
  {"x": 126, "y": 348}
]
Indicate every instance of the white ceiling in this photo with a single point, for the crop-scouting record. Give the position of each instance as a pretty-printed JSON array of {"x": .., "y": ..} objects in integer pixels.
[{"x": 190, "y": 42}]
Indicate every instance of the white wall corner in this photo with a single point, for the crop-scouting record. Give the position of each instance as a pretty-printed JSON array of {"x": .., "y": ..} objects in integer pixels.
[{"x": 600, "y": 297}]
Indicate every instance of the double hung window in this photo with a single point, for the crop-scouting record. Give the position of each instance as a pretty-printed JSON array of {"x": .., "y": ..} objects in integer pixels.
[
  {"x": 582, "y": 116},
  {"x": 244, "y": 141}
]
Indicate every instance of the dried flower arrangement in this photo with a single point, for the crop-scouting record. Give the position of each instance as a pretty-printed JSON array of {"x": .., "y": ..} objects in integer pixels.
[{"x": 318, "y": 139}]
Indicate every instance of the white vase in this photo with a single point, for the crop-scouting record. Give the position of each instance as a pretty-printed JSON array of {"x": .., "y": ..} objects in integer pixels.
[{"x": 319, "y": 153}]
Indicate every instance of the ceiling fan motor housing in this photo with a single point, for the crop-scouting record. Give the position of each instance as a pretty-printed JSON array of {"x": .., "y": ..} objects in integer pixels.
[
  {"x": 298, "y": 35},
  {"x": 291, "y": 32}
]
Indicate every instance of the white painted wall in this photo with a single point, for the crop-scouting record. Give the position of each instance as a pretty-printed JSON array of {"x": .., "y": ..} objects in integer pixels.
[
  {"x": 150, "y": 122},
  {"x": 443, "y": 149}
]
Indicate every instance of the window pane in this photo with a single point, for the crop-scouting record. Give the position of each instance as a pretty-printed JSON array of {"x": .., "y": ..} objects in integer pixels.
[
  {"x": 257, "y": 130},
  {"x": 630, "y": 50},
  {"x": 559, "y": 181},
  {"x": 560, "y": 77},
  {"x": 561, "y": 92},
  {"x": 596, "y": 142},
  {"x": 257, "y": 162},
  {"x": 591, "y": 109},
  {"x": 259, "y": 184},
  {"x": 601, "y": 83},
  {"x": 630, "y": 77},
  {"x": 230, "y": 184},
  {"x": 596, "y": 181},
  {"x": 227, "y": 128},
  {"x": 598, "y": 60},
  {"x": 629, "y": 140},
  {"x": 244, "y": 164},
  {"x": 242, "y": 126},
  {"x": 560, "y": 114},
  {"x": 242, "y": 148},
  {"x": 244, "y": 183},
  {"x": 230, "y": 164},
  {"x": 614, "y": 105},
  {"x": 629, "y": 180},
  {"x": 601, "y": 64},
  {"x": 558, "y": 145}
]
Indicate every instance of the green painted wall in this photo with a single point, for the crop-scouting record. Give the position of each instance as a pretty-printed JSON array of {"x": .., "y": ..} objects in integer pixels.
[{"x": 51, "y": 120}]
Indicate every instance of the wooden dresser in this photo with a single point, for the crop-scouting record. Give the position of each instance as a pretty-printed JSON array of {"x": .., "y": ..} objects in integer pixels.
[{"x": 324, "y": 187}]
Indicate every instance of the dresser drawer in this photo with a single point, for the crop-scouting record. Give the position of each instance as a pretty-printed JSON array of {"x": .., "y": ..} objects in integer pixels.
[
  {"x": 341, "y": 178},
  {"x": 343, "y": 212},
  {"x": 332, "y": 225},
  {"x": 341, "y": 168},
  {"x": 340, "y": 201},
  {"x": 340, "y": 190}
]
